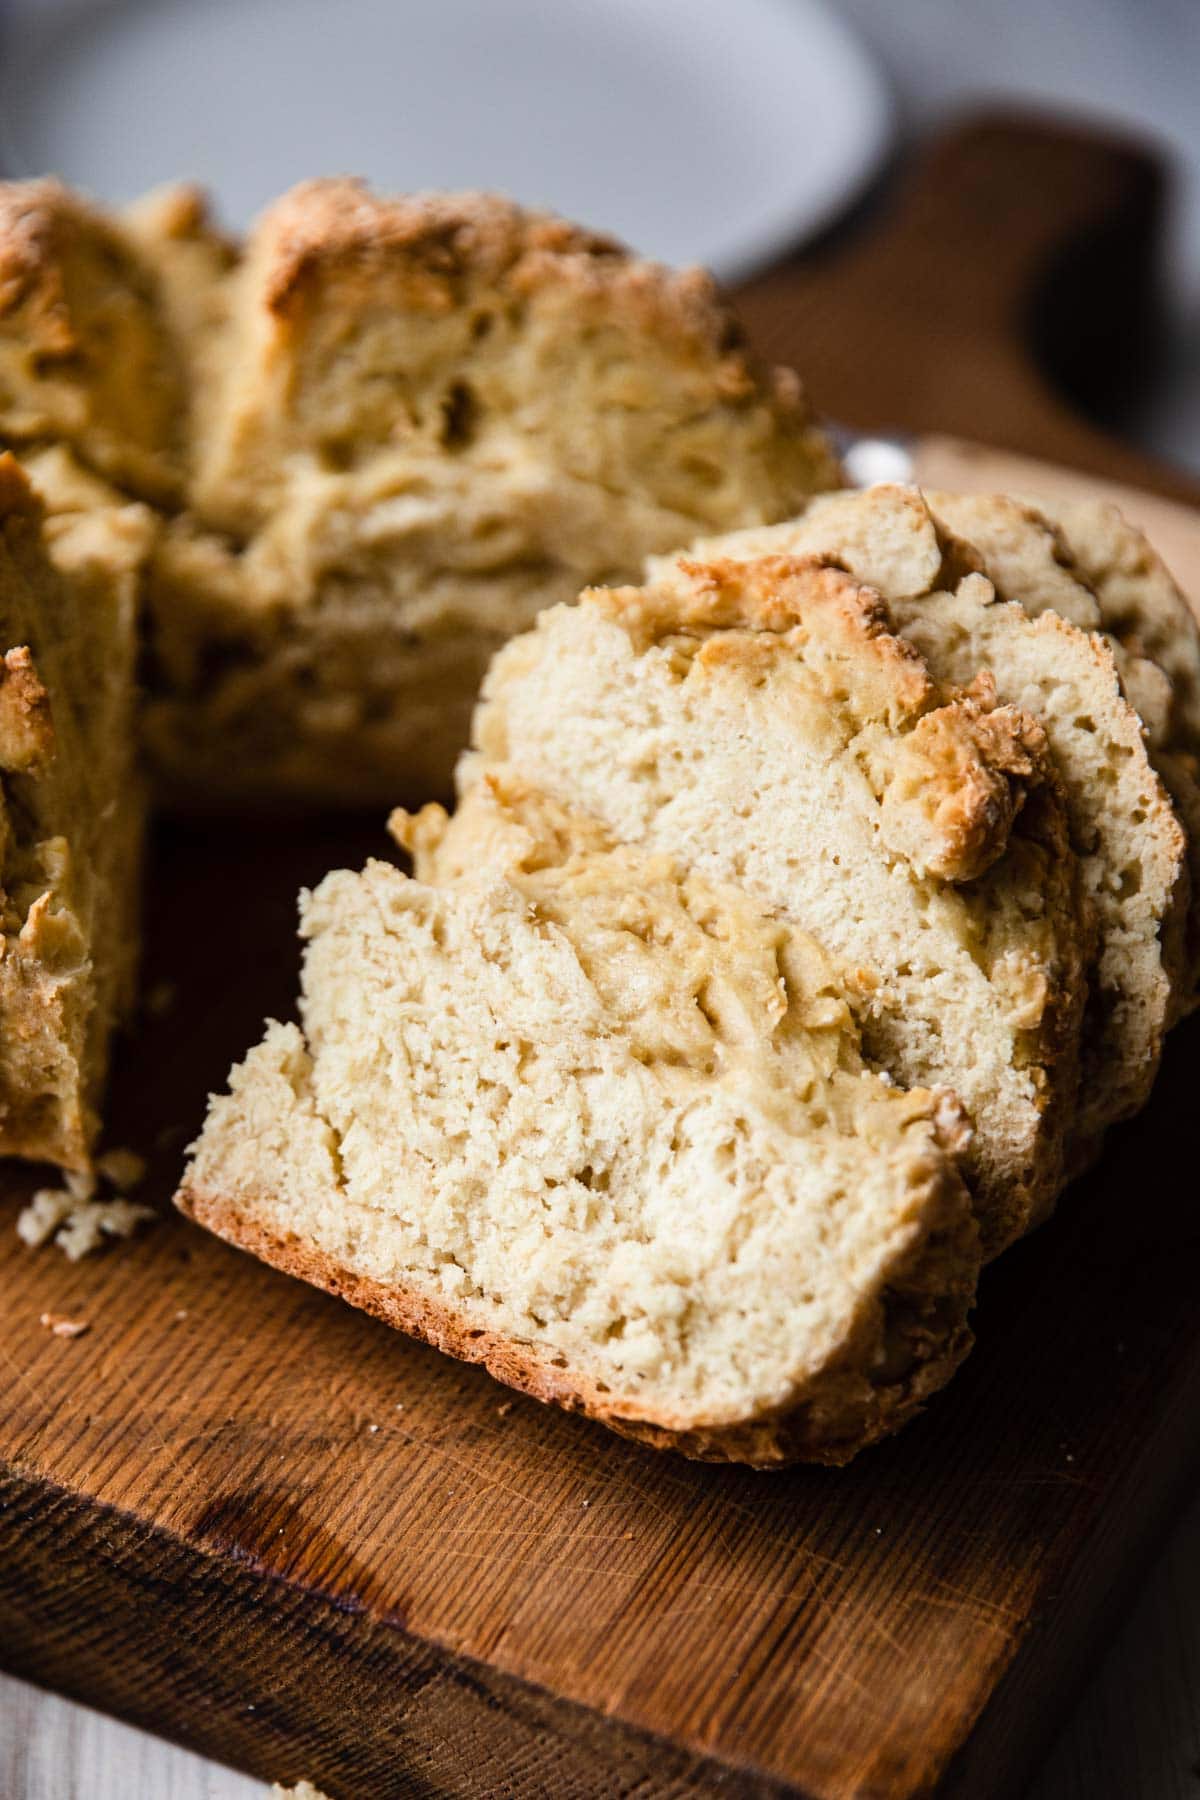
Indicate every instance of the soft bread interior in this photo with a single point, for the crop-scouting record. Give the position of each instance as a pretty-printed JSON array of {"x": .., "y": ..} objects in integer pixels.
[
  {"x": 1011, "y": 619},
  {"x": 385, "y": 435},
  {"x": 87, "y": 360},
  {"x": 592, "y": 1119},
  {"x": 1086, "y": 561},
  {"x": 70, "y": 814},
  {"x": 761, "y": 721}
]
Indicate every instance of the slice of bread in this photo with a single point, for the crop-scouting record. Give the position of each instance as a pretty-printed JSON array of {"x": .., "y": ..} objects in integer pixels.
[
  {"x": 387, "y": 434},
  {"x": 588, "y": 1119},
  {"x": 1086, "y": 561},
  {"x": 761, "y": 720},
  {"x": 1123, "y": 826},
  {"x": 70, "y": 813},
  {"x": 1140, "y": 603}
]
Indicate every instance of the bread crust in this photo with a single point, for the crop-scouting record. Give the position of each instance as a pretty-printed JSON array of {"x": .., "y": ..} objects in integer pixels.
[
  {"x": 830, "y": 1425},
  {"x": 964, "y": 763},
  {"x": 1084, "y": 562},
  {"x": 26, "y": 726},
  {"x": 434, "y": 243},
  {"x": 84, "y": 355},
  {"x": 967, "y": 791},
  {"x": 70, "y": 816},
  {"x": 987, "y": 581}
]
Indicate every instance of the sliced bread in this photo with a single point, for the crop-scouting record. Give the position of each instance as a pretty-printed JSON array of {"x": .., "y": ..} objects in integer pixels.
[
  {"x": 1086, "y": 561},
  {"x": 70, "y": 814},
  {"x": 582, "y": 1116},
  {"x": 761, "y": 720},
  {"x": 1131, "y": 846}
]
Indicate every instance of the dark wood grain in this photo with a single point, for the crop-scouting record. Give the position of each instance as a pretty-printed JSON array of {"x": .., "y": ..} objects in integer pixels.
[
  {"x": 1006, "y": 277},
  {"x": 243, "y": 1515}
]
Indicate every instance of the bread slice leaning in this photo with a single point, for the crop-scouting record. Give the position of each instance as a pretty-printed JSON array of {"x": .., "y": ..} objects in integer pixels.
[
  {"x": 1132, "y": 849},
  {"x": 70, "y": 814},
  {"x": 761, "y": 720},
  {"x": 586, "y": 1118},
  {"x": 1086, "y": 561}
]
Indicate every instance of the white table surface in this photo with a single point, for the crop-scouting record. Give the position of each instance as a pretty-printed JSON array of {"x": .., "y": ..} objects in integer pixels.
[{"x": 1136, "y": 1732}]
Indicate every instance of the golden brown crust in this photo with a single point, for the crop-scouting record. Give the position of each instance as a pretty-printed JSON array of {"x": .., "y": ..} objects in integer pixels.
[
  {"x": 84, "y": 358},
  {"x": 1083, "y": 561},
  {"x": 435, "y": 244},
  {"x": 32, "y": 219},
  {"x": 18, "y": 497},
  {"x": 846, "y": 1413},
  {"x": 959, "y": 780},
  {"x": 396, "y": 428},
  {"x": 438, "y": 238},
  {"x": 839, "y": 617},
  {"x": 26, "y": 727},
  {"x": 70, "y": 812},
  {"x": 962, "y": 764}
]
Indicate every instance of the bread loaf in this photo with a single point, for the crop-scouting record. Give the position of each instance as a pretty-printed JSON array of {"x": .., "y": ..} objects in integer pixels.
[
  {"x": 383, "y": 436},
  {"x": 587, "y": 1118},
  {"x": 983, "y": 583},
  {"x": 70, "y": 814},
  {"x": 761, "y": 720}
]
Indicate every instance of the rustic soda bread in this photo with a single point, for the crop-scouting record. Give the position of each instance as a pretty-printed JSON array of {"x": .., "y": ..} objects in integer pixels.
[
  {"x": 383, "y": 436},
  {"x": 86, "y": 359},
  {"x": 70, "y": 814},
  {"x": 1131, "y": 846},
  {"x": 589, "y": 1119},
  {"x": 1084, "y": 560},
  {"x": 429, "y": 418},
  {"x": 761, "y": 720}
]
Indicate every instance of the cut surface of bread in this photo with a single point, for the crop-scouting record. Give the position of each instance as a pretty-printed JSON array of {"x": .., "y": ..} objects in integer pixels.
[
  {"x": 388, "y": 432},
  {"x": 1085, "y": 560},
  {"x": 70, "y": 813},
  {"x": 762, "y": 720},
  {"x": 1132, "y": 849},
  {"x": 584, "y": 1117}
]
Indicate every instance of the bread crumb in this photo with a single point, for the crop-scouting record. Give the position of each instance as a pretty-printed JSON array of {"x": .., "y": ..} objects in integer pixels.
[
  {"x": 79, "y": 1183},
  {"x": 46, "y": 1211},
  {"x": 303, "y": 1790},
  {"x": 503, "y": 1410},
  {"x": 63, "y": 1327},
  {"x": 122, "y": 1169},
  {"x": 78, "y": 1226}
]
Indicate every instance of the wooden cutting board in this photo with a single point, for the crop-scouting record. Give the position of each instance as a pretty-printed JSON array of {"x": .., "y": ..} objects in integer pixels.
[{"x": 243, "y": 1515}]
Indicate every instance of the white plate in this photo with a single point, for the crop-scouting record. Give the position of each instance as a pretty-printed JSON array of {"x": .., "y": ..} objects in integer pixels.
[{"x": 714, "y": 131}]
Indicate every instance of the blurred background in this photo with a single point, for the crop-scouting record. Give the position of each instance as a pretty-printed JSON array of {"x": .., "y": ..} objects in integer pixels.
[{"x": 718, "y": 131}]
